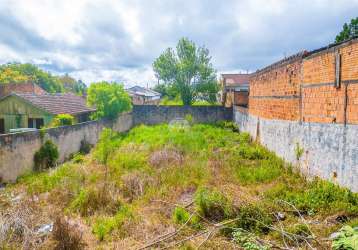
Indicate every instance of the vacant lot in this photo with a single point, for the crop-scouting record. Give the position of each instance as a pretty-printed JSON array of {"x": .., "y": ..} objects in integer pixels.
[{"x": 174, "y": 186}]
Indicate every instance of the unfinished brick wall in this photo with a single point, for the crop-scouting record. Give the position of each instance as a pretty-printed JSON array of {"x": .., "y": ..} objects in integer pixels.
[
  {"x": 274, "y": 91},
  {"x": 303, "y": 87},
  {"x": 322, "y": 101}
]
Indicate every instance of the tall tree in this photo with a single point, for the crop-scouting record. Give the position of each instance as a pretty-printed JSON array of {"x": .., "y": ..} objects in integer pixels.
[
  {"x": 349, "y": 31},
  {"x": 188, "y": 69},
  {"x": 110, "y": 99}
]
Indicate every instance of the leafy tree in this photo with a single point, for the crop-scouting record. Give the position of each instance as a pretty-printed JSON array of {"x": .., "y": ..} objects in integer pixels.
[
  {"x": 63, "y": 120},
  {"x": 188, "y": 69},
  {"x": 72, "y": 85},
  {"x": 166, "y": 90},
  {"x": 21, "y": 73},
  {"x": 349, "y": 31},
  {"x": 110, "y": 99}
]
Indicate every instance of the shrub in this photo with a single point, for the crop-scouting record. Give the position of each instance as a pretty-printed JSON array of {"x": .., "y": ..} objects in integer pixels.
[
  {"x": 213, "y": 205},
  {"x": 318, "y": 195},
  {"x": 182, "y": 216},
  {"x": 254, "y": 152},
  {"x": 105, "y": 225},
  {"x": 347, "y": 238},
  {"x": 299, "y": 230},
  {"x": 88, "y": 201},
  {"x": 85, "y": 147},
  {"x": 247, "y": 240},
  {"x": 46, "y": 156},
  {"x": 68, "y": 235},
  {"x": 254, "y": 219},
  {"x": 63, "y": 120}
]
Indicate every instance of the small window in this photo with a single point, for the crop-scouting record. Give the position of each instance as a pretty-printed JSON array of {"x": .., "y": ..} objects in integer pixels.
[
  {"x": 39, "y": 123},
  {"x": 2, "y": 126},
  {"x": 30, "y": 123},
  {"x": 35, "y": 123}
]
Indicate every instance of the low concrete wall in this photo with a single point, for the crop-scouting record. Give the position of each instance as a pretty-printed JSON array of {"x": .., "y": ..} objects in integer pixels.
[
  {"x": 330, "y": 150},
  {"x": 150, "y": 115},
  {"x": 17, "y": 150}
]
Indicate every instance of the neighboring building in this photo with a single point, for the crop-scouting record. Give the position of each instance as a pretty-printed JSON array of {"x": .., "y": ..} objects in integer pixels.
[
  {"x": 235, "y": 89},
  {"x": 29, "y": 110},
  {"x": 30, "y": 88},
  {"x": 143, "y": 96}
]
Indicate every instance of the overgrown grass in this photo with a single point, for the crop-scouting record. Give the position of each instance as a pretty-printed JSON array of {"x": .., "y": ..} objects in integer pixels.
[{"x": 146, "y": 176}]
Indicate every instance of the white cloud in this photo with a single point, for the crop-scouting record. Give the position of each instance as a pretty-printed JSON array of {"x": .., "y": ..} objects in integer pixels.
[{"x": 118, "y": 40}]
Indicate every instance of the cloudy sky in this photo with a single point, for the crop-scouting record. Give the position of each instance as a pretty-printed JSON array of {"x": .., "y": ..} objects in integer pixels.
[{"x": 117, "y": 40}]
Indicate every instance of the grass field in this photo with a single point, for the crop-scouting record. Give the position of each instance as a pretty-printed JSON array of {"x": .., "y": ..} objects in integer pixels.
[{"x": 178, "y": 187}]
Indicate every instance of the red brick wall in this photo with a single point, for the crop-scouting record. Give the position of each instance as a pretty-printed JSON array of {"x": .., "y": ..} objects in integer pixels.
[
  {"x": 303, "y": 87},
  {"x": 321, "y": 100},
  {"x": 241, "y": 98},
  {"x": 274, "y": 91}
]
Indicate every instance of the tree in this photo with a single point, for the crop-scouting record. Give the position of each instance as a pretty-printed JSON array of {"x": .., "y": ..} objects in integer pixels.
[
  {"x": 188, "y": 69},
  {"x": 110, "y": 99},
  {"x": 166, "y": 90},
  {"x": 72, "y": 85},
  {"x": 22, "y": 73},
  {"x": 349, "y": 31},
  {"x": 63, "y": 120}
]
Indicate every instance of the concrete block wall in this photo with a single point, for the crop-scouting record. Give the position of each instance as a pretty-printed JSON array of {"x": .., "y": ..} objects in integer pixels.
[
  {"x": 17, "y": 150},
  {"x": 297, "y": 101},
  {"x": 330, "y": 150},
  {"x": 149, "y": 114}
]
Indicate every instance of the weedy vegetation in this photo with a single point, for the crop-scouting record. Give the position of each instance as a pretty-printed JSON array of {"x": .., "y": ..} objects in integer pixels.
[{"x": 180, "y": 187}]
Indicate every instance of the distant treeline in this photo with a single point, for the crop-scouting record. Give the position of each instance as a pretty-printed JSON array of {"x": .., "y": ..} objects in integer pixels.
[{"x": 23, "y": 73}]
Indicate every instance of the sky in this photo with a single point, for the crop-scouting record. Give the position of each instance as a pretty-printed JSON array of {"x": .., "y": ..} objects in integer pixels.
[{"x": 118, "y": 40}]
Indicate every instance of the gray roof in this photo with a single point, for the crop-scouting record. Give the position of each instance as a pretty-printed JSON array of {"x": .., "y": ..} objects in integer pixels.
[
  {"x": 66, "y": 103},
  {"x": 137, "y": 90}
]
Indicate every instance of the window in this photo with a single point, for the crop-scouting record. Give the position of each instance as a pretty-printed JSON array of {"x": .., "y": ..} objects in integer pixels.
[
  {"x": 35, "y": 123},
  {"x": 2, "y": 126}
]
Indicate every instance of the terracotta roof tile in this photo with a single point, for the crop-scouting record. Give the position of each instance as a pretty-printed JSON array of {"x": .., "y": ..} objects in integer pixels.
[{"x": 67, "y": 103}]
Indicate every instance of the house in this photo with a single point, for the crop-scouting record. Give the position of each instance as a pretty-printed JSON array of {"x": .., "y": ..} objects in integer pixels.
[
  {"x": 235, "y": 89},
  {"x": 30, "y": 88},
  {"x": 143, "y": 96},
  {"x": 31, "y": 110}
]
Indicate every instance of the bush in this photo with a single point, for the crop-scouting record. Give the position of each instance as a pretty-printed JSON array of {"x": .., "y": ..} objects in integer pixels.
[
  {"x": 105, "y": 225},
  {"x": 247, "y": 240},
  {"x": 88, "y": 201},
  {"x": 318, "y": 195},
  {"x": 85, "y": 147},
  {"x": 213, "y": 205},
  {"x": 182, "y": 216},
  {"x": 63, "y": 120},
  {"x": 347, "y": 238},
  {"x": 254, "y": 219},
  {"x": 67, "y": 234},
  {"x": 46, "y": 156}
]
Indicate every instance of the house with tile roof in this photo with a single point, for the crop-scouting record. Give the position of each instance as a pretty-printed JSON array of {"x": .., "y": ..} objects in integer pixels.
[
  {"x": 235, "y": 89},
  {"x": 143, "y": 96},
  {"x": 31, "y": 110}
]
